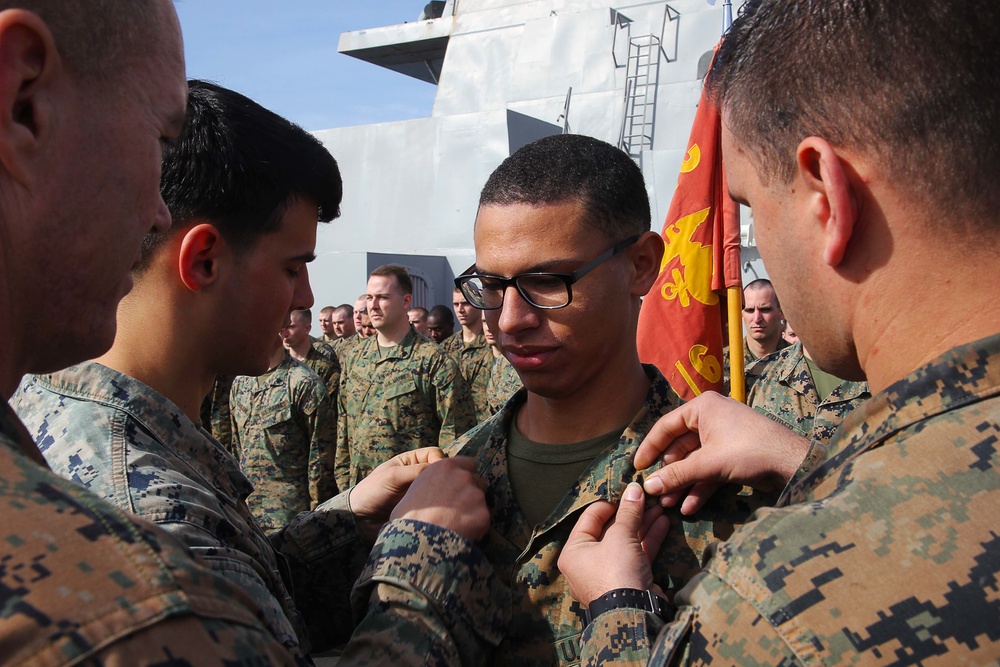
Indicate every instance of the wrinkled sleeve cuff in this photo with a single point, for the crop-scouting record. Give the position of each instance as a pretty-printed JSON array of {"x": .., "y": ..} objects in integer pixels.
[
  {"x": 448, "y": 571},
  {"x": 622, "y": 637}
]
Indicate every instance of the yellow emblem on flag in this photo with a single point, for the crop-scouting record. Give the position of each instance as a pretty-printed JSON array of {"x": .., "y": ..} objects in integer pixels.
[{"x": 693, "y": 279}]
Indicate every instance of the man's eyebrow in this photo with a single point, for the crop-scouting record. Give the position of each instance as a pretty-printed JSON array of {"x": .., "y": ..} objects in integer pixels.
[
  {"x": 551, "y": 266},
  {"x": 305, "y": 257}
]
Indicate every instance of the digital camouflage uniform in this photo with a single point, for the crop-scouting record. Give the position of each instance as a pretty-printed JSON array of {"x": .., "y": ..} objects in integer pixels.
[
  {"x": 884, "y": 551},
  {"x": 215, "y": 417},
  {"x": 342, "y": 345},
  {"x": 128, "y": 443},
  {"x": 323, "y": 360},
  {"x": 504, "y": 383},
  {"x": 785, "y": 392},
  {"x": 395, "y": 399},
  {"x": 475, "y": 360},
  {"x": 284, "y": 436},
  {"x": 546, "y": 622},
  {"x": 752, "y": 366},
  {"x": 322, "y": 344},
  {"x": 82, "y": 581}
]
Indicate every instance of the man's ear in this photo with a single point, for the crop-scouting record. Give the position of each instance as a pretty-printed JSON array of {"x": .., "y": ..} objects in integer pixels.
[
  {"x": 646, "y": 255},
  {"x": 833, "y": 204},
  {"x": 198, "y": 260},
  {"x": 30, "y": 71},
  {"x": 407, "y": 300}
]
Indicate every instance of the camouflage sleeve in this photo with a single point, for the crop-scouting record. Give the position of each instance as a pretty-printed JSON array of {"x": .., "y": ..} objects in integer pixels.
[
  {"x": 454, "y": 403},
  {"x": 191, "y": 641},
  {"x": 342, "y": 454},
  {"x": 619, "y": 637},
  {"x": 322, "y": 452},
  {"x": 233, "y": 415},
  {"x": 334, "y": 380},
  {"x": 325, "y": 553},
  {"x": 432, "y": 598},
  {"x": 720, "y": 626},
  {"x": 218, "y": 421}
]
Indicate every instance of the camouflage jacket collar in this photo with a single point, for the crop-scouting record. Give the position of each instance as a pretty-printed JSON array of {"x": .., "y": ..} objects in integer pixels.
[
  {"x": 792, "y": 370},
  {"x": 277, "y": 376},
  {"x": 370, "y": 349},
  {"x": 960, "y": 377},
  {"x": 159, "y": 416},
  {"x": 457, "y": 343},
  {"x": 605, "y": 479}
]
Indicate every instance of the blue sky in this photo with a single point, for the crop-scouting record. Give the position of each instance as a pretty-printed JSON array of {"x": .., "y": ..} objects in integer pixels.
[{"x": 284, "y": 56}]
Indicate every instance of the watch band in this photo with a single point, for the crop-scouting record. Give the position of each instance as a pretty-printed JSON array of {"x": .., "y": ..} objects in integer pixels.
[{"x": 624, "y": 598}]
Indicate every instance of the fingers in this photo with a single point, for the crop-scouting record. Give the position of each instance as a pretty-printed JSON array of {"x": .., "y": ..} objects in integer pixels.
[
  {"x": 417, "y": 456},
  {"x": 655, "y": 526},
  {"x": 652, "y": 539},
  {"x": 674, "y": 477},
  {"x": 590, "y": 526},
  {"x": 651, "y": 514},
  {"x": 680, "y": 448},
  {"x": 630, "y": 511},
  {"x": 697, "y": 497},
  {"x": 668, "y": 428},
  {"x": 448, "y": 494},
  {"x": 397, "y": 478},
  {"x": 429, "y": 454}
]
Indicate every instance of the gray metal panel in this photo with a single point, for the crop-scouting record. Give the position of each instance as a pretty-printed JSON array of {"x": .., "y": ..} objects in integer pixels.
[
  {"x": 522, "y": 130},
  {"x": 411, "y": 188},
  {"x": 415, "y": 49}
]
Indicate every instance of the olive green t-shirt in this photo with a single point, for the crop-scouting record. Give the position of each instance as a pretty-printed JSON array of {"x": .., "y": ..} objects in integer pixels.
[
  {"x": 823, "y": 381},
  {"x": 540, "y": 474}
]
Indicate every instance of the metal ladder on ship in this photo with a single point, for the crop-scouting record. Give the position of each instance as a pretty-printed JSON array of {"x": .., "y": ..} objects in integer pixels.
[{"x": 641, "y": 79}]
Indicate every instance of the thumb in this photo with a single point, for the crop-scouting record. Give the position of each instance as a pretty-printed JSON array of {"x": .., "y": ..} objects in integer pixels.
[{"x": 630, "y": 511}]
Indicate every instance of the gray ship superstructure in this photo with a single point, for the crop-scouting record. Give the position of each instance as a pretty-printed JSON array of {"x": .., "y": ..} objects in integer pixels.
[{"x": 507, "y": 72}]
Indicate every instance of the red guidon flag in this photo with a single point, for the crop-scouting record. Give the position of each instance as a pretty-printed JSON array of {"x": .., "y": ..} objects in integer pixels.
[{"x": 680, "y": 324}]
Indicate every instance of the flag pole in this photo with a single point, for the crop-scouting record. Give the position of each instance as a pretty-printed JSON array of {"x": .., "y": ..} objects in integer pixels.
[{"x": 737, "y": 374}]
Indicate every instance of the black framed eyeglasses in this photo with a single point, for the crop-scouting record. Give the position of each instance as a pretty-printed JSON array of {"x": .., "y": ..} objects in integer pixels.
[{"x": 542, "y": 290}]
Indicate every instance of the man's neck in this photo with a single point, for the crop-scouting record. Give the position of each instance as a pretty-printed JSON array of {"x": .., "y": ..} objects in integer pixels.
[
  {"x": 892, "y": 335},
  {"x": 277, "y": 356},
  {"x": 392, "y": 338},
  {"x": 172, "y": 363},
  {"x": 300, "y": 351},
  {"x": 160, "y": 370},
  {"x": 600, "y": 406},
  {"x": 763, "y": 348},
  {"x": 469, "y": 334}
]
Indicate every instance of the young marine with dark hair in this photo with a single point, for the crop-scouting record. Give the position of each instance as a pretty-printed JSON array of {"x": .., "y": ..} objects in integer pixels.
[
  {"x": 245, "y": 188},
  {"x": 865, "y": 135},
  {"x": 563, "y": 240}
]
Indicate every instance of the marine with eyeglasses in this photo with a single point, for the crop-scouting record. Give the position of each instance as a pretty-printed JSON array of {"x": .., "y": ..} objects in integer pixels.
[{"x": 563, "y": 255}]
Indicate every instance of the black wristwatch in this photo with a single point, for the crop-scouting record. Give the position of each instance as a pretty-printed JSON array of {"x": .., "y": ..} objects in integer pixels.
[{"x": 624, "y": 598}]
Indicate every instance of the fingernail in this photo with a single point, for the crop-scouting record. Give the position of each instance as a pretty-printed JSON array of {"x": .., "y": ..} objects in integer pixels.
[
  {"x": 654, "y": 486},
  {"x": 633, "y": 492}
]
